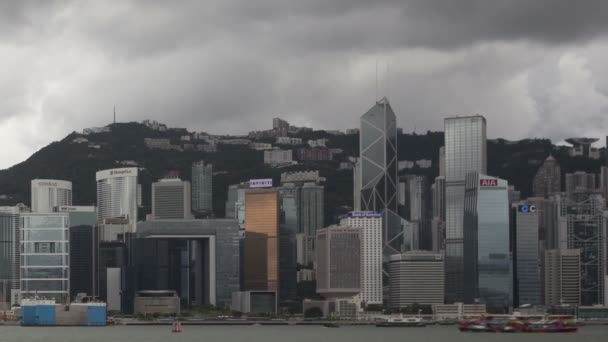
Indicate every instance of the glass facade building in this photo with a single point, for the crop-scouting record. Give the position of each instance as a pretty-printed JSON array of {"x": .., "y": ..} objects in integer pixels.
[
  {"x": 378, "y": 173},
  {"x": 488, "y": 276},
  {"x": 45, "y": 256},
  {"x": 262, "y": 240},
  {"x": 527, "y": 286},
  {"x": 202, "y": 188},
  {"x": 465, "y": 151},
  {"x": 9, "y": 254}
]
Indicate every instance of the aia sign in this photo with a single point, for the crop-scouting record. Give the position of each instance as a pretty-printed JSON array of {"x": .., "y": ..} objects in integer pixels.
[{"x": 488, "y": 182}]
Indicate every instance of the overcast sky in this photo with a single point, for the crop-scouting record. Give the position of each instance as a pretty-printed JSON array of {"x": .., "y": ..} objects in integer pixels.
[{"x": 533, "y": 68}]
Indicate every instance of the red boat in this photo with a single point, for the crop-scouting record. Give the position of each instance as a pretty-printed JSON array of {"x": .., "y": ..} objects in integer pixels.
[{"x": 518, "y": 326}]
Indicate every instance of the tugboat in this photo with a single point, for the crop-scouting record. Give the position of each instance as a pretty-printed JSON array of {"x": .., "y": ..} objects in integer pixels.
[{"x": 176, "y": 327}]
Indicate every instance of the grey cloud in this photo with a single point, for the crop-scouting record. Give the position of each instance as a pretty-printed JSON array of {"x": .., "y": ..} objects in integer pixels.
[{"x": 230, "y": 66}]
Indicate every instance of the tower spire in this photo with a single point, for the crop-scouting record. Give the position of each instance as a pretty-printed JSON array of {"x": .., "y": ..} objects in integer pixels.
[{"x": 114, "y": 113}]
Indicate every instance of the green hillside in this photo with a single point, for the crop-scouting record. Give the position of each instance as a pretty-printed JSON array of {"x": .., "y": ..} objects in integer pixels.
[{"x": 515, "y": 161}]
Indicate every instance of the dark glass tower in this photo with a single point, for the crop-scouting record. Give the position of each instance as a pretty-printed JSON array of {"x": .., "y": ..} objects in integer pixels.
[{"x": 379, "y": 182}]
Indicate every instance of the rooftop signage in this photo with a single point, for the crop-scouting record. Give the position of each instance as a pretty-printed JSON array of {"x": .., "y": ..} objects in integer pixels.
[
  {"x": 116, "y": 173},
  {"x": 363, "y": 214},
  {"x": 260, "y": 183},
  {"x": 488, "y": 182}
]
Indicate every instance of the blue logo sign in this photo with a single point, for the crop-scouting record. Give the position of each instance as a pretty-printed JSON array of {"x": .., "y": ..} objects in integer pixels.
[{"x": 527, "y": 208}]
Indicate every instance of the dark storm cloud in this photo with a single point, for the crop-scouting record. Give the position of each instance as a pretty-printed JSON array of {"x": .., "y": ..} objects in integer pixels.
[{"x": 227, "y": 66}]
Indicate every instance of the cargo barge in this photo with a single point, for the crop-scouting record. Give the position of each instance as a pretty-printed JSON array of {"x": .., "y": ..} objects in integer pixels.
[{"x": 37, "y": 312}]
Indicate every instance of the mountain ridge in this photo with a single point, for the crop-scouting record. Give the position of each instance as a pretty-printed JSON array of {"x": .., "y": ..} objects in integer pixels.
[{"x": 124, "y": 142}]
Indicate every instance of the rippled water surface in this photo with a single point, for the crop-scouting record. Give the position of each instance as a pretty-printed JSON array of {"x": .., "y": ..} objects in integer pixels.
[{"x": 281, "y": 333}]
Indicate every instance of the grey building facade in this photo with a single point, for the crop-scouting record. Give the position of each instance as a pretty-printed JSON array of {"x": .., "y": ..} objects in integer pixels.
[
  {"x": 171, "y": 199},
  {"x": 527, "y": 257},
  {"x": 415, "y": 277},
  {"x": 199, "y": 259},
  {"x": 338, "y": 256}
]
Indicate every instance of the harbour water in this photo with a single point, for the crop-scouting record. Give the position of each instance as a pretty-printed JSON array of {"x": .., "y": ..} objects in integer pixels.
[{"x": 281, "y": 333}]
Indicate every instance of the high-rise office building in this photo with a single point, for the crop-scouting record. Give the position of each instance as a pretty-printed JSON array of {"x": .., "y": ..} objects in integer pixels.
[
  {"x": 562, "y": 276},
  {"x": 45, "y": 267},
  {"x": 488, "y": 275},
  {"x": 442, "y": 161},
  {"x": 415, "y": 277},
  {"x": 370, "y": 224},
  {"x": 202, "y": 188},
  {"x": 289, "y": 225},
  {"x": 171, "y": 199},
  {"x": 311, "y": 205},
  {"x": 50, "y": 193},
  {"x": 9, "y": 254},
  {"x": 357, "y": 185},
  {"x": 309, "y": 196},
  {"x": 420, "y": 212},
  {"x": 604, "y": 181},
  {"x": 84, "y": 248},
  {"x": 117, "y": 202},
  {"x": 584, "y": 229},
  {"x": 262, "y": 240},
  {"x": 526, "y": 254},
  {"x": 580, "y": 181},
  {"x": 438, "y": 197},
  {"x": 548, "y": 178},
  {"x": 379, "y": 182},
  {"x": 438, "y": 214},
  {"x": 465, "y": 151},
  {"x": 338, "y": 261}
]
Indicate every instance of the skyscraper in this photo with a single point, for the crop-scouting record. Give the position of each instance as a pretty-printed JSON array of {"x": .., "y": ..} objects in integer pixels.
[
  {"x": 604, "y": 181},
  {"x": 262, "y": 240},
  {"x": 117, "y": 201},
  {"x": 50, "y": 193},
  {"x": 548, "y": 178},
  {"x": 379, "y": 182},
  {"x": 421, "y": 210},
  {"x": 171, "y": 199},
  {"x": 9, "y": 253},
  {"x": 580, "y": 181},
  {"x": 312, "y": 208},
  {"x": 526, "y": 254},
  {"x": 438, "y": 216},
  {"x": 202, "y": 188},
  {"x": 338, "y": 261},
  {"x": 584, "y": 230},
  {"x": 309, "y": 196},
  {"x": 84, "y": 249},
  {"x": 465, "y": 151},
  {"x": 45, "y": 256},
  {"x": 488, "y": 274},
  {"x": 357, "y": 185},
  {"x": 562, "y": 276},
  {"x": 370, "y": 224},
  {"x": 415, "y": 277}
]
